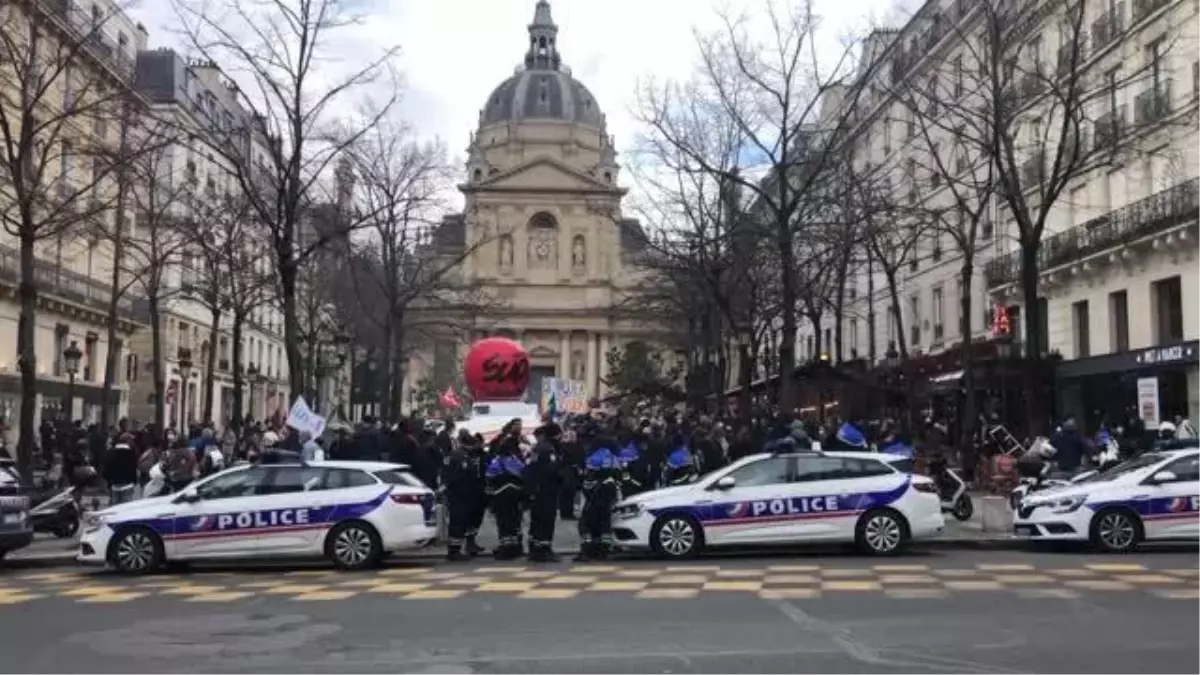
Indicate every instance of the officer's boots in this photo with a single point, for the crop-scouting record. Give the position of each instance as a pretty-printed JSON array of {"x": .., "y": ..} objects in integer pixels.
[
  {"x": 586, "y": 552},
  {"x": 542, "y": 553},
  {"x": 507, "y": 550},
  {"x": 454, "y": 553},
  {"x": 473, "y": 548}
]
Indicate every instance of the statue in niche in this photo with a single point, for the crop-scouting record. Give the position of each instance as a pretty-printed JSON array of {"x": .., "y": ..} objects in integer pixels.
[
  {"x": 506, "y": 252},
  {"x": 578, "y": 253},
  {"x": 577, "y": 365}
]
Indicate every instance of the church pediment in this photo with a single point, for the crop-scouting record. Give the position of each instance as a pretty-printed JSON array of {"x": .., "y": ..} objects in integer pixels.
[{"x": 543, "y": 174}]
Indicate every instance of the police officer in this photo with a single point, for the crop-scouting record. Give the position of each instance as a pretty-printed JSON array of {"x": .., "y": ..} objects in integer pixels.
[
  {"x": 543, "y": 478},
  {"x": 601, "y": 484},
  {"x": 680, "y": 467},
  {"x": 506, "y": 489},
  {"x": 633, "y": 468},
  {"x": 459, "y": 479},
  {"x": 477, "y": 503},
  {"x": 571, "y": 467}
]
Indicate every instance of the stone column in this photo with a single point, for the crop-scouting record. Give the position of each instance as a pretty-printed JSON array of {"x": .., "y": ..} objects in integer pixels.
[
  {"x": 591, "y": 370},
  {"x": 564, "y": 354},
  {"x": 601, "y": 388}
]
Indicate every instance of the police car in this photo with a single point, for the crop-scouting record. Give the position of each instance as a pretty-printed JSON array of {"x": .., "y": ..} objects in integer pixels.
[
  {"x": 353, "y": 513},
  {"x": 785, "y": 498},
  {"x": 1154, "y": 496}
]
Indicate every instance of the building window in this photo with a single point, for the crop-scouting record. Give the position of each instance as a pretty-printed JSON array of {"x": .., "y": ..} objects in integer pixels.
[
  {"x": 1043, "y": 310},
  {"x": 131, "y": 368},
  {"x": 1079, "y": 317},
  {"x": 827, "y": 345},
  {"x": 1118, "y": 321},
  {"x": 853, "y": 338},
  {"x": 914, "y": 306},
  {"x": 1168, "y": 311},
  {"x": 938, "y": 309},
  {"x": 808, "y": 349},
  {"x": 937, "y": 245},
  {"x": 60, "y": 345},
  {"x": 893, "y": 315},
  {"x": 89, "y": 357}
]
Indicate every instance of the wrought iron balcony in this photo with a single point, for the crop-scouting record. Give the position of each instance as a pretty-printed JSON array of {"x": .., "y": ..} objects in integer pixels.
[
  {"x": 1160, "y": 211},
  {"x": 57, "y": 281},
  {"x": 1154, "y": 104},
  {"x": 1106, "y": 131}
]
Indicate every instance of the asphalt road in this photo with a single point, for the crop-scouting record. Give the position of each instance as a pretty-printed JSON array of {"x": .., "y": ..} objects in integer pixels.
[{"x": 953, "y": 611}]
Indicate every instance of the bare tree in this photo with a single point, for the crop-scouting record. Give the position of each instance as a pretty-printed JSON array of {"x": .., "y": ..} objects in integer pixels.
[
  {"x": 281, "y": 50},
  {"x": 772, "y": 93},
  {"x": 55, "y": 82}
]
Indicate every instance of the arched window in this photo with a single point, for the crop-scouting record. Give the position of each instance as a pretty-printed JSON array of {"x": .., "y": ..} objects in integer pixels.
[
  {"x": 543, "y": 220},
  {"x": 478, "y": 174}
]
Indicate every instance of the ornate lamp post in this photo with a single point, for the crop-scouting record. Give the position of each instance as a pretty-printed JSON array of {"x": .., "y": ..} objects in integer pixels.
[
  {"x": 184, "y": 357},
  {"x": 71, "y": 358}
]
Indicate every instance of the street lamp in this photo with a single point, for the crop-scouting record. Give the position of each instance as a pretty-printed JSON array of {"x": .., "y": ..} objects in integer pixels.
[
  {"x": 184, "y": 356},
  {"x": 71, "y": 357}
]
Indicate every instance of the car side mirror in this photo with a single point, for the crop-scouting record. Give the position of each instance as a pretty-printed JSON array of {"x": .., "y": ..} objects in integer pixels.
[
  {"x": 725, "y": 483},
  {"x": 1163, "y": 477},
  {"x": 189, "y": 496}
]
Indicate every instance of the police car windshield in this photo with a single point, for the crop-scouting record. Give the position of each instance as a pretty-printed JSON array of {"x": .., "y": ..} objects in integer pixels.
[
  {"x": 1126, "y": 468},
  {"x": 396, "y": 477}
]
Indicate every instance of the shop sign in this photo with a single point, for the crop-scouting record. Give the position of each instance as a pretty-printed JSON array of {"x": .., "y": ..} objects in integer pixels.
[
  {"x": 1157, "y": 355},
  {"x": 1147, "y": 401}
]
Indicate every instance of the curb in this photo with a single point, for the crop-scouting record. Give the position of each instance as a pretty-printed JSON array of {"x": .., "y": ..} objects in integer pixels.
[{"x": 67, "y": 558}]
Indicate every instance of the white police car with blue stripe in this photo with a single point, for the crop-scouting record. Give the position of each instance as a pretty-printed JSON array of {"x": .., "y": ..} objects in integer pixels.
[
  {"x": 353, "y": 513},
  {"x": 1155, "y": 496},
  {"x": 785, "y": 499}
]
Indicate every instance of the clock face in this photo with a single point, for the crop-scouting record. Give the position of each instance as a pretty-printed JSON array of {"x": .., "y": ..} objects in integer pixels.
[{"x": 542, "y": 248}]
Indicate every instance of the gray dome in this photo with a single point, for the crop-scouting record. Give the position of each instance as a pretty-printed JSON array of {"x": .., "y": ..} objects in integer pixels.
[{"x": 542, "y": 94}]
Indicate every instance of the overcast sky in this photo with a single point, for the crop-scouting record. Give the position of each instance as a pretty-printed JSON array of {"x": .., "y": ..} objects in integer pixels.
[{"x": 454, "y": 52}]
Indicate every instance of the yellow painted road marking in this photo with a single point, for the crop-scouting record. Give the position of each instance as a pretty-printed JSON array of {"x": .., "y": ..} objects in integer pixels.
[
  {"x": 499, "y": 569},
  {"x": 191, "y": 589},
  {"x": 326, "y": 595},
  {"x": 550, "y": 593},
  {"x": 733, "y": 586},
  {"x": 592, "y": 569},
  {"x": 397, "y": 588},
  {"x": 668, "y": 593},
  {"x": 263, "y": 584},
  {"x": 1116, "y": 567},
  {"x": 17, "y": 598},
  {"x": 1025, "y": 579},
  {"x": 572, "y": 580},
  {"x": 851, "y": 586},
  {"x": 1184, "y": 572},
  {"x": 789, "y": 593},
  {"x": 467, "y": 581},
  {"x": 693, "y": 568},
  {"x": 440, "y": 576},
  {"x": 293, "y": 589},
  {"x": 223, "y": 596},
  {"x": 91, "y": 590},
  {"x": 534, "y": 574},
  {"x": 435, "y": 595},
  {"x": 793, "y": 568},
  {"x": 974, "y": 586},
  {"x": 956, "y": 573},
  {"x": 790, "y": 579},
  {"x": 908, "y": 579},
  {"x": 1058, "y": 593},
  {"x": 1173, "y": 593},
  {"x": 163, "y": 583},
  {"x": 846, "y": 573},
  {"x": 637, "y": 574},
  {"x": 681, "y": 579},
  {"x": 1148, "y": 578},
  {"x": 310, "y": 573},
  {"x": 112, "y": 597},
  {"x": 404, "y": 571},
  {"x": 1071, "y": 573},
  {"x": 369, "y": 582},
  {"x": 507, "y": 586},
  {"x": 50, "y": 577},
  {"x": 740, "y": 574},
  {"x": 617, "y": 586},
  {"x": 1100, "y": 585},
  {"x": 1004, "y": 567},
  {"x": 917, "y": 593},
  {"x": 900, "y": 568}
]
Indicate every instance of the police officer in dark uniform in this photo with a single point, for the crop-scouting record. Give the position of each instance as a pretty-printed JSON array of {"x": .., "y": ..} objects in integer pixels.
[
  {"x": 506, "y": 489},
  {"x": 477, "y": 503},
  {"x": 543, "y": 478},
  {"x": 601, "y": 486},
  {"x": 459, "y": 478},
  {"x": 571, "y": 468}
]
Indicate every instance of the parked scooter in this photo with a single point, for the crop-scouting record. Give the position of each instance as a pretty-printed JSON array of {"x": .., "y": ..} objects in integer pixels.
[
  {"x": 60, "y": 513},
  {"x": 952, "y": 491}
]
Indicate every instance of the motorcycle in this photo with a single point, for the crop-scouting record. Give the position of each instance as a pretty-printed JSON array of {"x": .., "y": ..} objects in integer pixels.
[
  {"x": 1044, "y": 475},
  {"x": 58, "y": 515},
  {"x": 952, "y": 491}
]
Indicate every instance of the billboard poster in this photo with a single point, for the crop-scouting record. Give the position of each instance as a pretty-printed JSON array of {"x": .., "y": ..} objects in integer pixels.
[{"x": 570, "y": 396}]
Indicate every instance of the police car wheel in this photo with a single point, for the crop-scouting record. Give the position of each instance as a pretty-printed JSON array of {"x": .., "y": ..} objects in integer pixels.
[
  {"x": 881, "y": 532},
  {"x": 136, "y": 550},
  {"x": 354, "y": 546},
  {"x": 1116, "y": 531},
  {"x": 676, "y": 536}
]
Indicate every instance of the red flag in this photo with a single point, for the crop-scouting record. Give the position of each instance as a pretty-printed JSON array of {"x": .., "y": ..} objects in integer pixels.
[{"x": 449, "y": 399}]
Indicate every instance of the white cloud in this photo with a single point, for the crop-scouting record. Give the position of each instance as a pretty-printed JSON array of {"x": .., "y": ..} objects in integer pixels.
[{"x": 454, "y": 52}]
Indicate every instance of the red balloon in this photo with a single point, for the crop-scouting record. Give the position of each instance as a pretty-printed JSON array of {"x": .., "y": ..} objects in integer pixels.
[{"x": 496, "y": 369}]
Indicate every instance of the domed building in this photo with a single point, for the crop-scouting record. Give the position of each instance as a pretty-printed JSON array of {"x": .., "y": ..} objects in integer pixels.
[{"x": 542, "y": 223}]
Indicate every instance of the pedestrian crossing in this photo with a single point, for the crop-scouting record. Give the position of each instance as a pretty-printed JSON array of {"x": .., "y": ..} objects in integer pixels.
[{"x": 566, "y": 582}]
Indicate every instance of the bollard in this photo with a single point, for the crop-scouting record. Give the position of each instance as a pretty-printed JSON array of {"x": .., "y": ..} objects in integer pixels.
[{"x": 996, "y": 515}]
